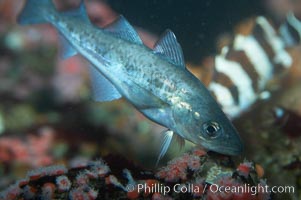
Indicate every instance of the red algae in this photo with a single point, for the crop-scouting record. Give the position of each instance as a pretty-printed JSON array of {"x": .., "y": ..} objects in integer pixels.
[{"x": 245, "y": 168}]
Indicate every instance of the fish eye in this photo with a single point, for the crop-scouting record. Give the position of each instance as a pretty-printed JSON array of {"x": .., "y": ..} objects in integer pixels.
[{"x": 211, "y": 129}]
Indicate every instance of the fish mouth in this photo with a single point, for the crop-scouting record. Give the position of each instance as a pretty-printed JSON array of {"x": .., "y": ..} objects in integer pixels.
[
  {"x": 235, "y": 150},
  {"x": 227, "y": 152},
  {"x": 230, "y": 150},
  {"x": 231, "y": 147}
]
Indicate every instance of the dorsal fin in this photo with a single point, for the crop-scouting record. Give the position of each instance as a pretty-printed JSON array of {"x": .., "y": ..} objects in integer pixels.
[
  {"x": 79, "y": 13},
  {"x": 169, "y": 48},
  {"x": 33, "y": 12},
  {"x": 121, "y": 28}
]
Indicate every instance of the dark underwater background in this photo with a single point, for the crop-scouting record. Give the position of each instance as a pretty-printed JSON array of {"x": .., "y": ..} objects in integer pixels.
[{"x": 197, "y": 24}]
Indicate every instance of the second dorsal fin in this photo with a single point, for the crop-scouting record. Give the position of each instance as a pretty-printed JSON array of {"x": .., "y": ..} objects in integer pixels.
[{"x": 169, "y": 48}]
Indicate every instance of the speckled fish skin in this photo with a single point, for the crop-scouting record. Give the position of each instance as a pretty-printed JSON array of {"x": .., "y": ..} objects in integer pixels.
[{"x": 165, "y": 93}]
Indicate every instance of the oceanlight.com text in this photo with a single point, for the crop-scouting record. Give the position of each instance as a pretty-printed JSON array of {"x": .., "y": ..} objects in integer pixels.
[
  {"x": 253, "y": 190},
  {"x": 214, "y": 188}
]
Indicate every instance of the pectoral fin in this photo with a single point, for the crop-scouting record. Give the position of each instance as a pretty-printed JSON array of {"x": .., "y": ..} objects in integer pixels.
[
  {"x": 103, "y": 89},
  {"x": 143, "y": 98},
  {"x": 180, "y": 140},
  {"x": 166, "y": 142}
]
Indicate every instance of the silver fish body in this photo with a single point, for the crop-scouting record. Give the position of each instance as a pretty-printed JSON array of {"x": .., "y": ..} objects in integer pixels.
[{"x": 155, "y": 81}]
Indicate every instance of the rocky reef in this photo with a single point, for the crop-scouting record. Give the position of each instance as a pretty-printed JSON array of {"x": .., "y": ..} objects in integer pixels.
[{"x": 194, "y": 175}]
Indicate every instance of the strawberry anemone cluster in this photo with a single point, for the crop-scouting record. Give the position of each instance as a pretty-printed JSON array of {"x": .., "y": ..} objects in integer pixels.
[{"x": 194, "y": 175}]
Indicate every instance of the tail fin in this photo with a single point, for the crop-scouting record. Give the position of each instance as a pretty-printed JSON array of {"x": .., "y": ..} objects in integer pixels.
[{"x": 35, "y": 12}]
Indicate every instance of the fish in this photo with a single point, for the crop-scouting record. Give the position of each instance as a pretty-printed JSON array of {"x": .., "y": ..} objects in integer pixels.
[
  {"x": 243, "y": 69},
  {"x": 290, "y": 30},
  {"x": 155, "y": 81}
]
